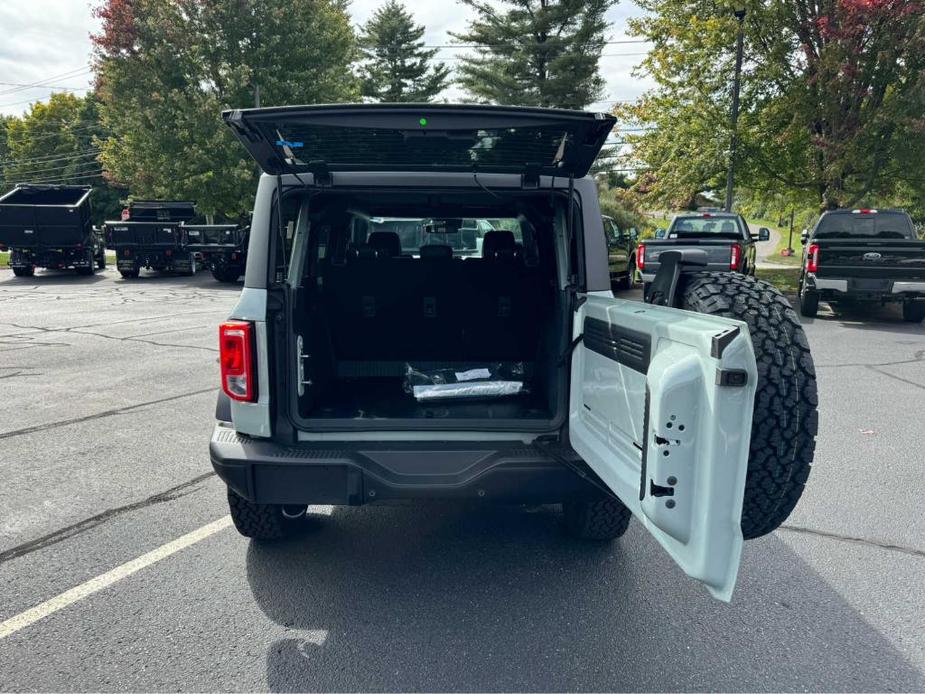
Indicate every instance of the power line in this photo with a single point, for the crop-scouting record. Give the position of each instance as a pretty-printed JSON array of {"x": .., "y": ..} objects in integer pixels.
[
  {"x": 42, "y": 86},
  {"x": 79, "y": 154},
  {"x": 62, "y": 179},
  {"x": 76, "y": 72},
  {"x": 526, "y": 45},
  {"x": 31, "y": 171}
]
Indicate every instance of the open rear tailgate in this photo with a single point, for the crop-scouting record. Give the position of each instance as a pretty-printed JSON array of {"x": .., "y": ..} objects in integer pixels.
[{"x": 423, "y": 137}]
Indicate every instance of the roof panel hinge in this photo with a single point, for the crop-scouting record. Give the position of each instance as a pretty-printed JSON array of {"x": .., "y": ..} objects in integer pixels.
[
  {"x": 530, "y": 178},
  {"x": 320, "y": 171}
]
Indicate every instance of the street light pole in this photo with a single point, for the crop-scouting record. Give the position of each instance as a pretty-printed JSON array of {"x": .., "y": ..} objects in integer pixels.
[{"x": 734, "y": 116}]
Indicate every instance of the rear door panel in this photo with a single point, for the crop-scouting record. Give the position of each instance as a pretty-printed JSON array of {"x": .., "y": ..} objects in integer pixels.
[{"x": 648, "y": 417}]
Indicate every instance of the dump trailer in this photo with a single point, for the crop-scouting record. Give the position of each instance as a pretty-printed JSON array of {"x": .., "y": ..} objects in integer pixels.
[
  {"x": 151, "y": 235},
  {"x": 49, "y": 226},
  {"x": 222, "y": 247}
]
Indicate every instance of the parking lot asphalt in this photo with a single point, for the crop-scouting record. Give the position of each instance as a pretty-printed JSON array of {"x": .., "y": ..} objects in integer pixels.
[{"x": 106, "y": 395}]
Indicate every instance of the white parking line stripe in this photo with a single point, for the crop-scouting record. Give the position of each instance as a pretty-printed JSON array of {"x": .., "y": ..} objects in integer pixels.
[{"x": 69, "y": 597}]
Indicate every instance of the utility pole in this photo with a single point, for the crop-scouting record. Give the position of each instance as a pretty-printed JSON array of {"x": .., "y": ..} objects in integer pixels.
[{"x": 734, "y": 118}]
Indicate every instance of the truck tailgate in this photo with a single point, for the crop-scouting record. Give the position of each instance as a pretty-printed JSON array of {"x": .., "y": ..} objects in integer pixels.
[
  {"x": 718, "y": 250},
  {"x": 896, "y": 259}
]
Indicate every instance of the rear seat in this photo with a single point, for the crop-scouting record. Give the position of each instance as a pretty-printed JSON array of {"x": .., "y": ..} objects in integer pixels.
[{"x": 386, "y": 308}]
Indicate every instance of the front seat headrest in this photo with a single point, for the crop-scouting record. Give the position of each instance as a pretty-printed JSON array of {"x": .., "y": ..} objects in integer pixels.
[
  {"x": 496, "y": 243},
  {"x": 387, "y": 243},
  {"x": 500, "y": 245},
  {"x": 728, "y": 228},
  {"x": 436, "y": 252}
]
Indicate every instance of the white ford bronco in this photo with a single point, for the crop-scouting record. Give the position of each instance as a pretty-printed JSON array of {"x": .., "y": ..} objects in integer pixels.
[{"x": 427, "y": 313}]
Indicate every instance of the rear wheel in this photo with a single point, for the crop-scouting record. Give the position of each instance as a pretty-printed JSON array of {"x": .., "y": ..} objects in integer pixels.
[
  {"x": 226, "y": 273},
  {"x": 130, "y": 274},
  {"x": 785, "y": 418},
  {"x": 914, "y": 311},
  {"x": 605, "y": 519},
  {"x": 630, "y": 280},
  {"x": 91, "y": 264},
  {"x": 24, "y": 271},
  {"x": 260, "y": 521},
  {"x": 101, "y": 261},
  {"x": 809, "y": 302}
]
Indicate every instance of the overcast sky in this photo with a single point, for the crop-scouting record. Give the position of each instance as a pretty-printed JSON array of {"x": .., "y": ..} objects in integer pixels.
[{"x": 47, "y": 41}]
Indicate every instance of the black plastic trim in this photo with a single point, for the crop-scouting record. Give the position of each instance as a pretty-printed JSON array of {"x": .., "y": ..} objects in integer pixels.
[
  {"x": 623, "y": 345},
  {"x": 263, "y": 471},
  {"x": 721, "y": 341}
]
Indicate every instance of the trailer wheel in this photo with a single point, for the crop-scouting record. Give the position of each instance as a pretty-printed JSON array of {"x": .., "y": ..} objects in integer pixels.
[
  {"x": 785, "y": 419},
  {"x": 24, "y": 271},
  {"x": 130, "y": 274}
]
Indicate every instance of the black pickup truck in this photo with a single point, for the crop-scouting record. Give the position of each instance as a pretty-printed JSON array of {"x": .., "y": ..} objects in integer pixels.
[
  {"x": 724, "y": 236},
  {"x": 151, "y": 235},
  {"x": 863, "y": 256},
  {"x": 49, "y": 226},
  {"x": 222, "y": 247}
]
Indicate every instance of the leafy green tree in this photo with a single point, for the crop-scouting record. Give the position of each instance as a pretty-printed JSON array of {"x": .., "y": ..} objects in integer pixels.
[
  {"x": 396, "y": 67},
  {"x": 5, "y": 123},
  {"x": 833, "y": 94},
  {"x": 535, "y": 52},
  {"x": 167, "y": 69},
  {"x": 54, "y": 143}
]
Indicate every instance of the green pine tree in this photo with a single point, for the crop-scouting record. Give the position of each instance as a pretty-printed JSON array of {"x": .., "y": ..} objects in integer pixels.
[
  {"x": 396, "y": 66},
  {"x": 535, "y": 52}
]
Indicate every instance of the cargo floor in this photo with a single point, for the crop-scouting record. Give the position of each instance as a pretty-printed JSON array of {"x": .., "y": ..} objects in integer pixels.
[{"x": 384, "y": 398}]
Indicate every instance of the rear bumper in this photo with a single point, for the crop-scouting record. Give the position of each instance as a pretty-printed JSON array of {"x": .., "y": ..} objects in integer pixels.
[
  {"x": 350, "y": 474},
  {"x": 56, "y": 259},
  {"x": 866, "y": 288},
  {"x": 152, "y": 258}
]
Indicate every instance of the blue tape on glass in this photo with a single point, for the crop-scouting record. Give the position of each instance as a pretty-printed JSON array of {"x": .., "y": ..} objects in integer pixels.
[{"x": 291, "y": 145}]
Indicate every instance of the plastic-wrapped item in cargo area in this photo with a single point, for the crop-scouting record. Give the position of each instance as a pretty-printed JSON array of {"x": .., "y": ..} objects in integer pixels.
[{"x": 488, "y": 381}]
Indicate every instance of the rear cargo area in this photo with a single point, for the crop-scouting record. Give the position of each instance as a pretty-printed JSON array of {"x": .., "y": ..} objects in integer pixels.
[{"x": 383, "y": 297}]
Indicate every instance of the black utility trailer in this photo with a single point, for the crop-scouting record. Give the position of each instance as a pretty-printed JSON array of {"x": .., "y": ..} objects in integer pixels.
[
  {"x": 49, "y": 226},
  {"x": 223, "y": 248},
  {"x": 153, "y": 237}
]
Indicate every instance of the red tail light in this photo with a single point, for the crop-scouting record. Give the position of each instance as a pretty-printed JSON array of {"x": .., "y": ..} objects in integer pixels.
[
  {"x": 735, "y": 257},
  {"x": 236, "y": 354},
  {"x": 812, "y": 258},
  {"x": 641, "y": 256}
]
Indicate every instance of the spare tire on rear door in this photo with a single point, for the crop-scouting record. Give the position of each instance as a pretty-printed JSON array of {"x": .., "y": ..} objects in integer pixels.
[{"x": 785, "y": 417}]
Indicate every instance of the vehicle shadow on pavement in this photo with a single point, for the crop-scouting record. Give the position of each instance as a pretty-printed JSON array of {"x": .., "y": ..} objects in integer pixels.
[
  {"x": 48, "y": 278},
  {"x": 448, "y": 598}
]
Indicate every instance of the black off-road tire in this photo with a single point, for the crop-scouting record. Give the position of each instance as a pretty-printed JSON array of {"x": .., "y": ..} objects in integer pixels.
[
  {"x": 226, "y": 274},
  {"x": 130, "y": 274},
  {"x": 629, "y": 281},
  {"x": 809, "y": 302},
  {"x": 101, "y": 261},
  {"x": 24, "y": 271},
  {"x": 259, "y": 521},
  {"x": 914, "y": 311},
  {"x": 785, "y": 418},
  {"x": 605, "y": 519}
]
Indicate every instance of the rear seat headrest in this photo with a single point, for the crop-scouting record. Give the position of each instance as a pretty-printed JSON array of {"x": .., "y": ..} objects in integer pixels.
[
  {"x": 386, "y": 243},
  {"x": 436, "y": 252},
  {"x": 499, "y": 244}
]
